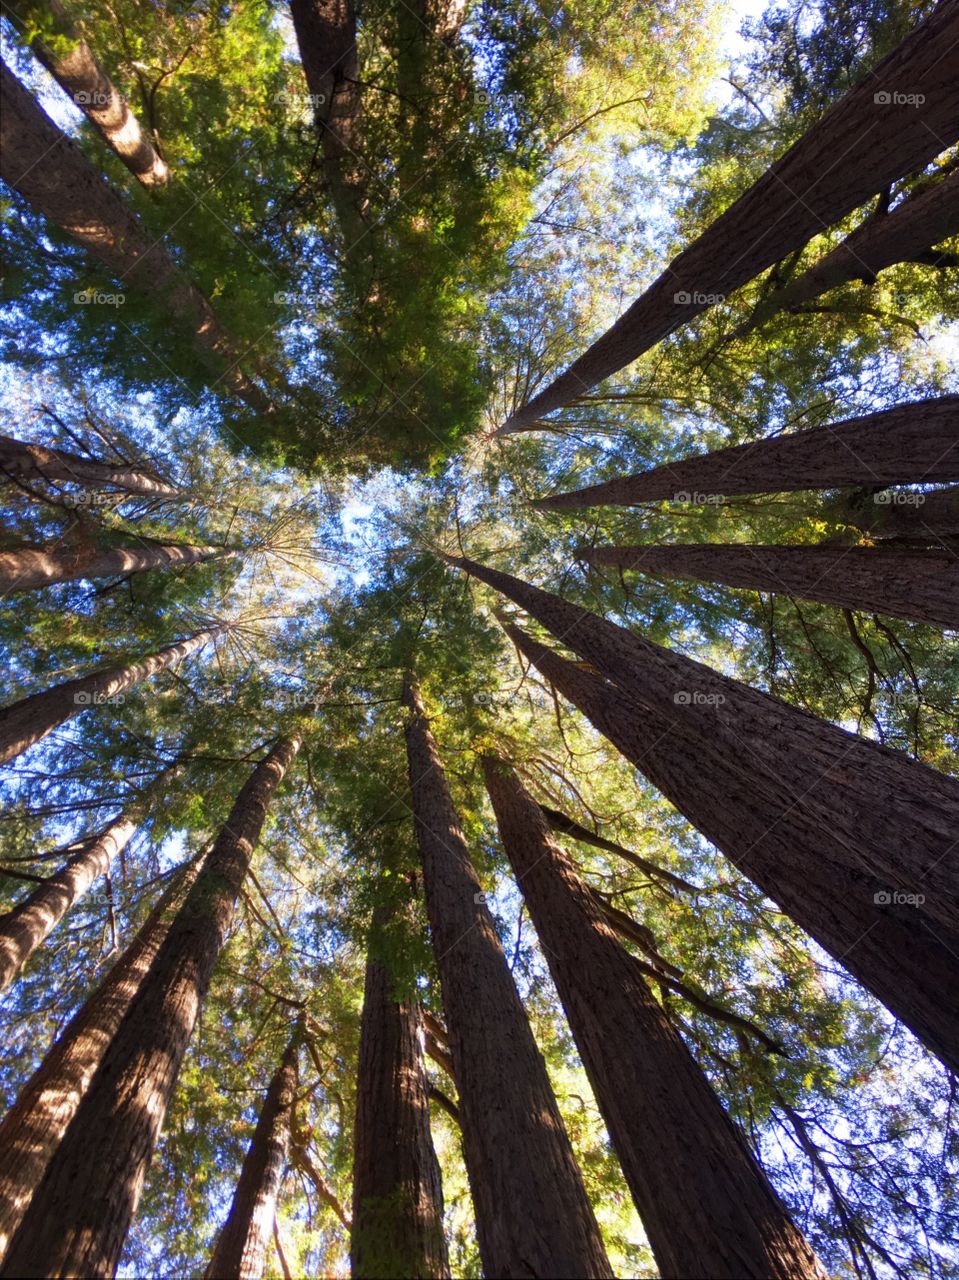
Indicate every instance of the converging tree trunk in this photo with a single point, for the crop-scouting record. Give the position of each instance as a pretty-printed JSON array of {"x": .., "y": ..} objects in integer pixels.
[
  {"x": 78, "y": 1219},
  {"x": 33, "y": 1127},
  {"x": 874, "y": 933},
  {"x": 532, "y": 1213},
  {"x": 915, "y": 443},
  {"x": 240, "y": 1251},
  {"x": 707, "y": 1206},
  {"x": 921, "y": 585},
  {"x": 24, "y": 723},
  {"x": 29, "y": 463},
  {"x": 31, "y": 568}
]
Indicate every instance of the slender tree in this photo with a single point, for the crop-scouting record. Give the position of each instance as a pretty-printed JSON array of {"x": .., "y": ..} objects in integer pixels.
[
  {"x": 898, "y": 118},
  {"x": 27, "y": 463},
  {"x": 240, "y": 1251},
  {"x": 24, "y": 723},
  {"x": 707, "y": 1206},
  {"x": 31, "y": 568},
  {"x": 915, "y": 443},
  {"x": 532, "y": 1214},
  {"x": 79, "y": 1216},
  {"x": 919, "y": 584}
]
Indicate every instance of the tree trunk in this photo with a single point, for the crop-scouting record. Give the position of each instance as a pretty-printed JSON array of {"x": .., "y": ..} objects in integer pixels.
[
  {"x": 29, "y": 463},
  {"x": 57, "y": 179},
  {"x": 916, "y": 443},
  {"x": 532, "y": 1214},
  {"x": 887, "y": 815},
  {"x": 86, "y": 84},
  {"x": 24, "y": 723},
  {"x": 78, "y": 1219},
  {"x": 706, "y": 1204},
  {"x": 898, "y": 118},
  {"x": 32, "y": 1129},
  {"x": 903, "y": 962},
  {"x": 909, "y": 518},
  {"x": 904, "y": 582},
  {"x": 31, "y": 568},
  {"x": 560, "y": 822},
  {"x": 240, "y": 1252},
  {"x": 397, "y": 1227}
]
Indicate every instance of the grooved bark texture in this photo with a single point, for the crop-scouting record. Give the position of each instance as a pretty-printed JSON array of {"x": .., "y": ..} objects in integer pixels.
[
  {"x": 397, "y": 1227},
  {"x": 31, "y": 568},
  {"x": 907, "y": 962},
  {"x": 240, "y": 1252},
  {"x": 886, "y": 814},
  {"x": 38, "y": 1119},
  {"x": 864, "y": 143},
  {"x": 708, "y": 1209},
  {"x": 29, "y": 463},
  {"x": 532, "y": 1214},
  {"x": 24, "y": 723},
  {"x": 904, "y": 582},
  {"x": 79, "y": 1216},
  {"x": 916, "y": 443}
]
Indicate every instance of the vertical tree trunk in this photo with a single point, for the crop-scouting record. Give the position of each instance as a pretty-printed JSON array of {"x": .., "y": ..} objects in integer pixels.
[
  {"x": 916, "y": 443},
  {"x": 397, "y": 1221},
  {"x": 33, "y": 1127},
  {"x": 31, "y": 568},
  {"x": 921, "y": 585},
  {"x": 59, "y": 182},
  {"x": 29, "y": 463},
  {"x": 24, "y": 723},
  {"x": 906, "y": 965},
  {"x": 706, "y": 1204},
  {"x": 240, "y": 1252},
  {"x": 532, "y": 1214},
  {"x": 898, "y": 118},
  {"x": 887, "y": 815},
  {"x": 79, "y": 1216}
]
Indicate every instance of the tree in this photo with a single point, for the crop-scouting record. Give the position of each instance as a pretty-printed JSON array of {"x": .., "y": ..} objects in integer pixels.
[
  {"x": 26, "y": 463},
  {"x": 32, "y": 568}
]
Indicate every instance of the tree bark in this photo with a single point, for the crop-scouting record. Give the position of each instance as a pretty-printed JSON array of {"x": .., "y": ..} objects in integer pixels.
[
  {"x": 887, "y": 815},
  {"x": 29, "y": 463},
  {"x": 904, "y": 582},
  {"x": 240, "y": 1252},
  {"x": 532, "y": 1214},
  {"x": 905, "y": 961},
  {"x": 916, "y": 443},
  {"x": 32, "y": 568},
  {"x": 32, "y": 1129},
  {"x": 706, "y": 1204},
  {"x": 397, "y": 1220},
  {"x": 59, "y": 182},
  {"x": 869, "y": 139},
  {"x": 79, "y": 1216},
  {"x": 917, "y": 519},
  {"x": 24, "y": 723},
  {"x": 86, "y": 84}
]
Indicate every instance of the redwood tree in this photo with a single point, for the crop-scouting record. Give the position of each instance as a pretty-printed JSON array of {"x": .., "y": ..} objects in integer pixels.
[
  {"x": 23, "y": 461},
  {"x": 30, "y": 568}
]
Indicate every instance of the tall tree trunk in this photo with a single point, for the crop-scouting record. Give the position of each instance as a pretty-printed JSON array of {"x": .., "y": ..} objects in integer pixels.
[
  {"x": 397, "y": 1226},
  {"x": 31, "y": 568},
  {"x": 904, "y": 582},
  {"x": 886, "y": 814},
  {"x": 29, "y": 463},
  {"x": 909, "y": 518},
  {"x": 79, "y": 1216},
  {"x": 240, "y": 1252},
  {"x": 905, "y": 963},
  {"x": 59, "y": 182},
  {"x": 532, "y": 1214},
  {"x": 24, "y": 723},
  {"x": 80, "y": 76},
  {"x": 706, "y": 1204},
  {"x": 877, "y": 133},
  {"x": 32, "y": 1129},
  {"x": 915, "y": 443}
]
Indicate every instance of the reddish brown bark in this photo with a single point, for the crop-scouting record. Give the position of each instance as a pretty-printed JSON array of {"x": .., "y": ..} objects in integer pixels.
[
  {"x": 706, "y": 1204},
  {"x": 532, "y": 1214},
  {"x": 29, "y": 463},
  {"x": 79, "y": 1216},
  {"x": 31, "y": 568}
]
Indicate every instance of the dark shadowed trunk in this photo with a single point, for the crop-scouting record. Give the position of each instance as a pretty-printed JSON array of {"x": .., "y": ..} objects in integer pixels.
[
  {"x": 560, "y": 822},
  {"x": 904, "y": 960},
  {"x": 78, "y": 1219},
  {"x": 916, "y": 443},
  {"x": 532, "y": 1214},
  {"x": 30, "y": 568},
  {"x": 706, "y": 1205},
  {"x": 875, "y": 135},
  {"x": 240, "y": 1252},
  {"x": 906, "y": 518},
  {"x": 904, "y": 582},
  {"x": 32, "y": 463}
]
